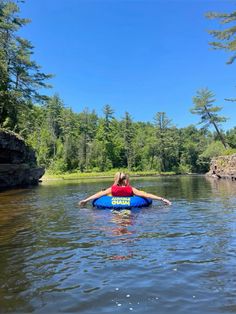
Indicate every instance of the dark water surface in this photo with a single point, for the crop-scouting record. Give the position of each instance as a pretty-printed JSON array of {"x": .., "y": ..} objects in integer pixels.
[{"x": 58, "y": 258}]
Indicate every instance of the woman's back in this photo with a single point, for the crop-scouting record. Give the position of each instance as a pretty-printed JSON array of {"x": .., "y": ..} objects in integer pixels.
[{"x": 125, "y": 191}]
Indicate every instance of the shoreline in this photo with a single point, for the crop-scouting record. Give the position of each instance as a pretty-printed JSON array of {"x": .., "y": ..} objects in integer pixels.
[{"x": 95, "y": 176}]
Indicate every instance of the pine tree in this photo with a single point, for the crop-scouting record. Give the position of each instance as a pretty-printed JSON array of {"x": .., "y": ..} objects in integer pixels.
[
  {"x": 87, "y": 131},
  {"x": 128, "y": 133},
  {"x": 20, "y": 77},
  {"x": 165, "y": 142},
  {"x": 231, "y": 137},
  {"x": 226, "y": 38},
  {"x": 70, "y": 138},
  {"x": 203, "y": 102},
  {"x": 54, "y": 108},
  {"x": 105, "y": 137}
]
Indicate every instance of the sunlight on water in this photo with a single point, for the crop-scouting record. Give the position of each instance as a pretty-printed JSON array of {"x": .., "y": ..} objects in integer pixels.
[{"x": 58, "y": 257}]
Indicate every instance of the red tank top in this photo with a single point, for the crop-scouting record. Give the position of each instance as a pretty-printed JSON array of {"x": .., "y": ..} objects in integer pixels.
[{"x": 117, "y": 190}]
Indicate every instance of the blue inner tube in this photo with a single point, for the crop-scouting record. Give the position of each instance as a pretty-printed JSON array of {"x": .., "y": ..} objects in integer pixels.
[{"x": 121, "y": 202}]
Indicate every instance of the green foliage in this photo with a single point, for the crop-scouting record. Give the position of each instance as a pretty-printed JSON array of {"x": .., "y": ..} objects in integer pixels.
[
  {"x": 231, "y": 137},
  {"x": 225, "y": 38},
  {"x": 128, "y": 137},
  {"x": 166, "y": 144},
  {"x": 203, "y": 106},
  {"x": 229, "y": 151},
  {"x": 192, "y": 144},
  {"x": 65, "y": 141},
  {"x": 182, "y": 169},
  {"x": 20, "y": 77},
  {"x": 87, "y": 125},
  {"x": 58, "y": 166},
  {"x": 214, "y": 149}
]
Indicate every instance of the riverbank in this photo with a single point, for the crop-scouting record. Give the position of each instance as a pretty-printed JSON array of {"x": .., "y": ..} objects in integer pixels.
[
  {"x": 102, "y": 175},
  {"x": 18, "y": 165},
  {"x": 223, "y": 167}
]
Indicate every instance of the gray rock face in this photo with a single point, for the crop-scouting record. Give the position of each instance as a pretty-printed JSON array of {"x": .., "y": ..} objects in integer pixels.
[
  {"x": 223, "y": 167},
  {"x": 18, "y": 165}
]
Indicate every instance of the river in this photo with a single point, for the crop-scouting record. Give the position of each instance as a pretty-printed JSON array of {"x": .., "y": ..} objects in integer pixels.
[{"x": 56, "y": 257}]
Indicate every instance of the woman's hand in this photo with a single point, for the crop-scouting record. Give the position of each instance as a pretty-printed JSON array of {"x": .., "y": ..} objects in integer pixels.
[
  {"x": 166, "y": 201},
  {"x": 83, "y": 202},
  {"x": 96, "y": 195}
]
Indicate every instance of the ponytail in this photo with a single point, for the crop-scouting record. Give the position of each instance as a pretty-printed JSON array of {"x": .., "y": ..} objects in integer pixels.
[{"x": 121, "y": 179}]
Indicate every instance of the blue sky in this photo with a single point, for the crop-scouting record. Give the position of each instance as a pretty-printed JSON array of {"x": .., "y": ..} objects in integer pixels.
[{"x": 137, "y": 56}]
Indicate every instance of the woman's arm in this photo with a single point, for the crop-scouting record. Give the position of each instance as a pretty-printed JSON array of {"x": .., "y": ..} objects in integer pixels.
[
  {"x": 96, "y": 195},
  {"x": 149, "y": 195}
]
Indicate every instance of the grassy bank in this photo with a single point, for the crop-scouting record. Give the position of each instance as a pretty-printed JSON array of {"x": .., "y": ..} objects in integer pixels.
[{"x": 106, "y": 174}]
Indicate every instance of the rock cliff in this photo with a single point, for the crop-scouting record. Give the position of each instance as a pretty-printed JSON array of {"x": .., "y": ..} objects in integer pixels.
[
  {"x": 18, "y": 166},
  {"x": 223, "y": 167}
]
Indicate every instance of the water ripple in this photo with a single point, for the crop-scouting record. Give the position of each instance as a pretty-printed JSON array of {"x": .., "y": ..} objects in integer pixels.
[{"x": 60, "y": 258}]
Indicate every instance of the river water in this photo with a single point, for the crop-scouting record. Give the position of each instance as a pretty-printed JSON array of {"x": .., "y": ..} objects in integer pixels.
[{"x": 56, "y": 257}]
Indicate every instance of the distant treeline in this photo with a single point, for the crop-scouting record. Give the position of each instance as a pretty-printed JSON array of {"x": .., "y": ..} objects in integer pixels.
[{"x": 67, "y": 141}]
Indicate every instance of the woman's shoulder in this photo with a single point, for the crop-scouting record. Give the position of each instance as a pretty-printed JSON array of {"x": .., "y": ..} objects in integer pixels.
[{"x": 135, "y": 190}]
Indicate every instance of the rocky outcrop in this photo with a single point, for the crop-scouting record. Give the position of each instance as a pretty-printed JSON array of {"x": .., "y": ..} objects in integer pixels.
[
  {"x": 223, "y": 167},
  {"x": 18, "y": 166}
]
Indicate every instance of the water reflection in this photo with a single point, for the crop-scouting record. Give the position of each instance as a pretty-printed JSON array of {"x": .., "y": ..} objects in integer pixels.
[
  {"x": 117, "y": 227},
  {"x": 122, "y": 219},
  {"x": 224, "y": 187}
]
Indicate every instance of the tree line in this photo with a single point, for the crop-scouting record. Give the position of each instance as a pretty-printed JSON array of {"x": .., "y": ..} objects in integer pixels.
[{"x": 67, "y": 141}]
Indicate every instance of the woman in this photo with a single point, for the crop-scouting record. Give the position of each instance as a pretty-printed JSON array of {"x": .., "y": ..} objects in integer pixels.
[{"x": 122, "y": 188}]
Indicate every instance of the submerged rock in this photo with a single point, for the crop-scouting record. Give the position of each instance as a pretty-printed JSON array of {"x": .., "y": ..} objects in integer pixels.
[
  {"x": 18, "y": 166},
  {"x": 223, "y": 167}
]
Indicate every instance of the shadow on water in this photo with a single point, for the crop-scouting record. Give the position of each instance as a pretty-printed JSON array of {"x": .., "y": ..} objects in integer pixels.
[{"x": 58, "y": 257}]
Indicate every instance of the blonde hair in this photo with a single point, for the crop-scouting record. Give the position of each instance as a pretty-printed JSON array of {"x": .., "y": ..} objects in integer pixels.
[{"x": 121, "y": 178}]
